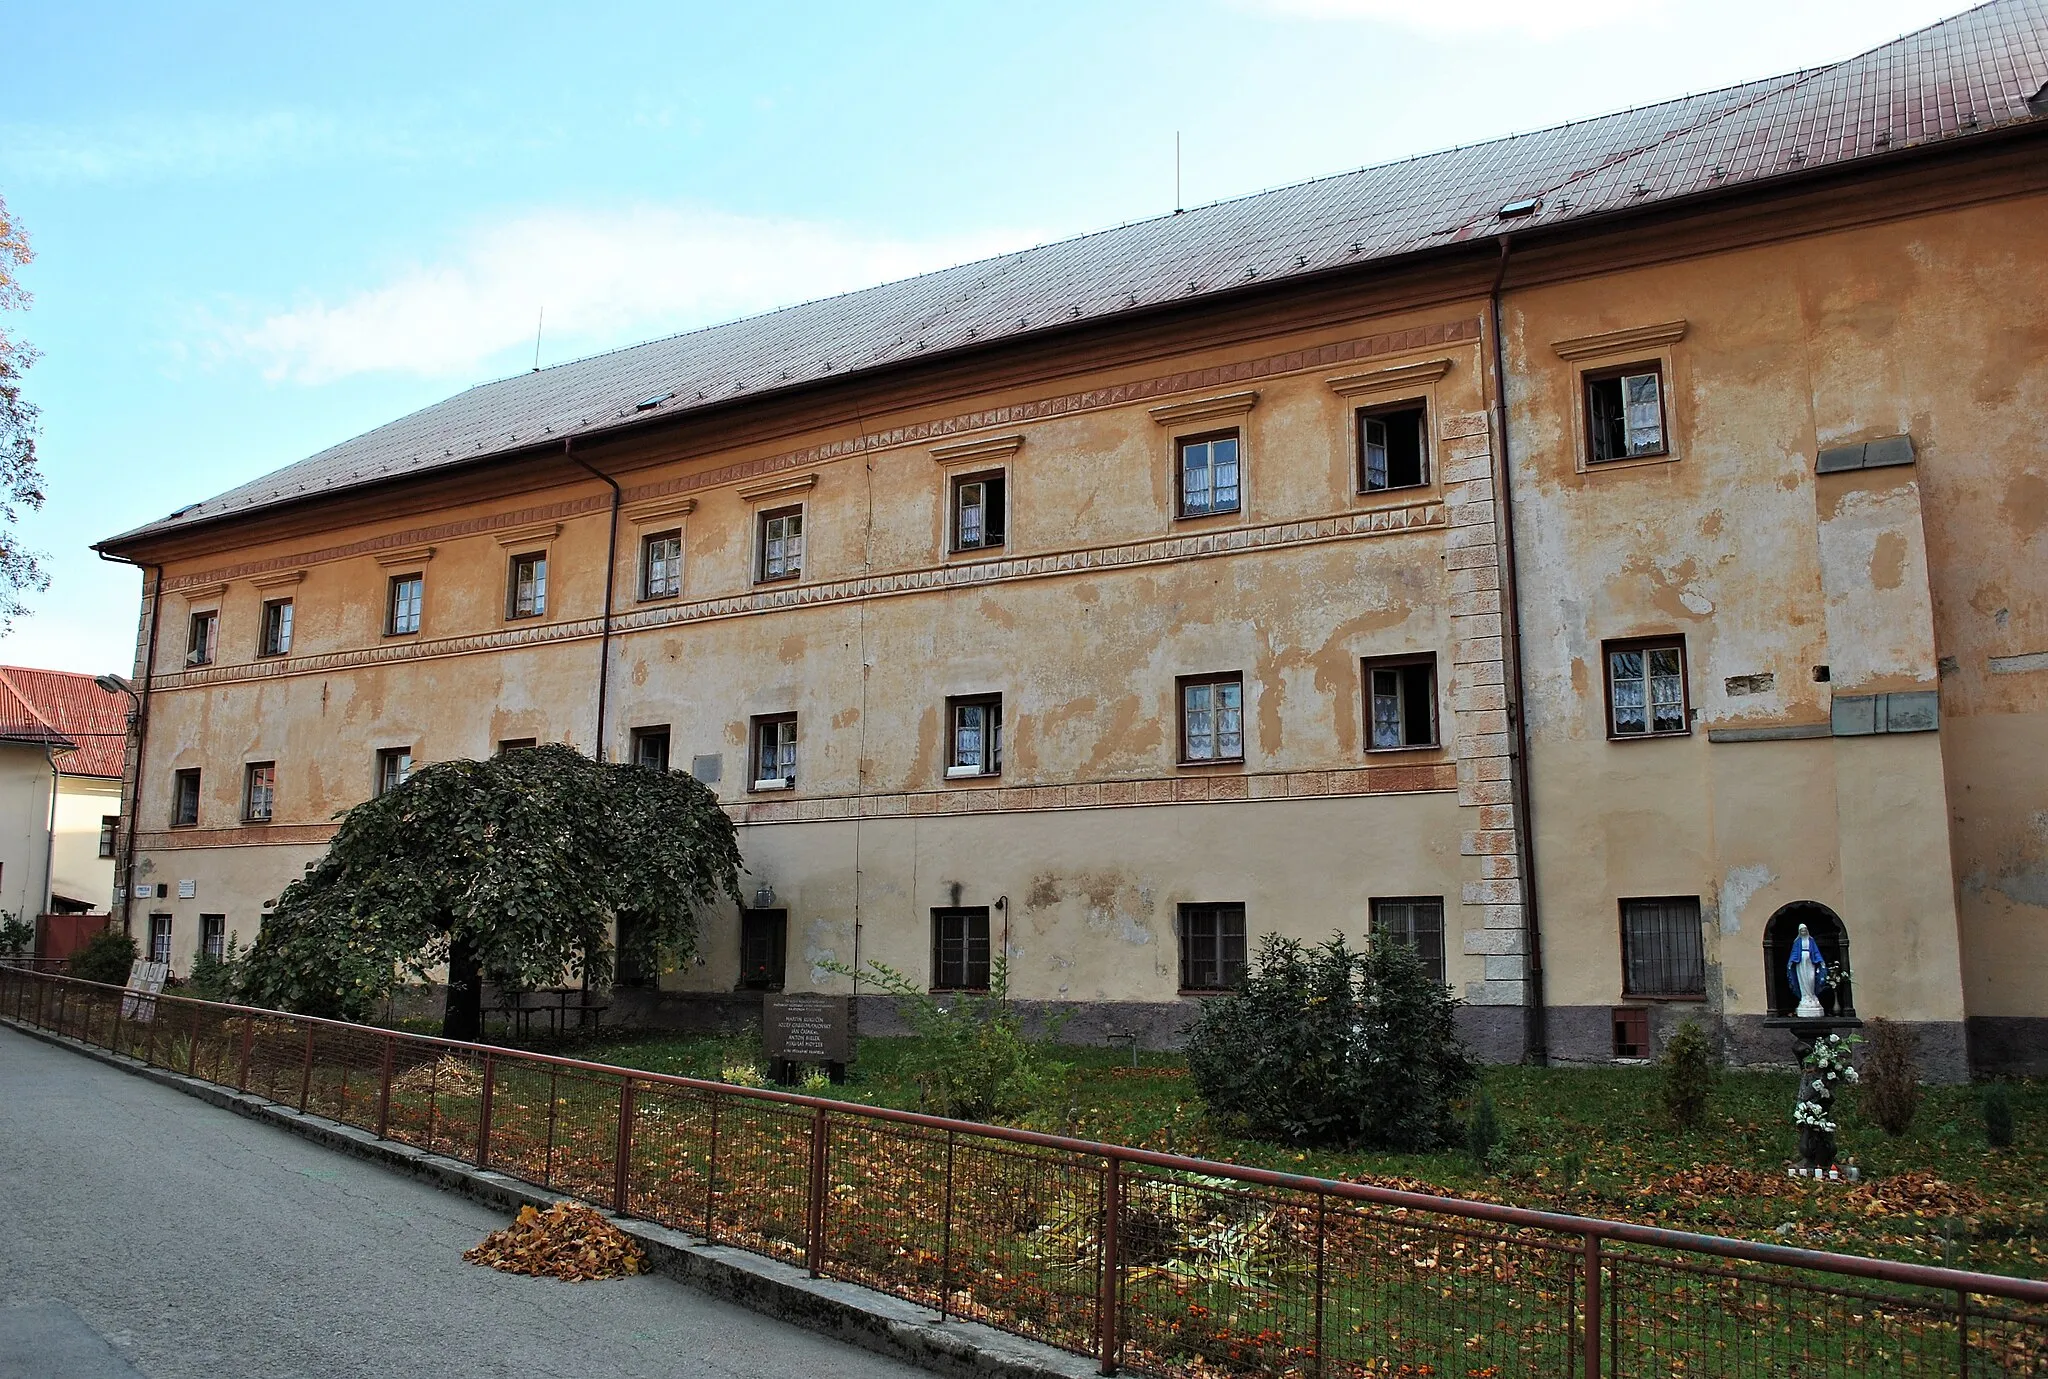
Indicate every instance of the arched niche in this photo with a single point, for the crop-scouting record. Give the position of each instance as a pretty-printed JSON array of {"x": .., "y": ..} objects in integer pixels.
[{"x": 1839, "y": 1000}]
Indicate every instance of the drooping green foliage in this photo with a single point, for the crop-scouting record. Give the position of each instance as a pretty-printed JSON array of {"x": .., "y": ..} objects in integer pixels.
[
  {"x": 1331, "y": 1045},
  {"x": 1690, "y": 1069},
  {"x": 105, "y": 957},
  {"x": 517, "y": 866},
  {"x": 970, "y": 1057}
]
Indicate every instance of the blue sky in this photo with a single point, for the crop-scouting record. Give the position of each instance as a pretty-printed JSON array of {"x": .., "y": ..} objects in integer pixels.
[{"x": 263, "y": 229}]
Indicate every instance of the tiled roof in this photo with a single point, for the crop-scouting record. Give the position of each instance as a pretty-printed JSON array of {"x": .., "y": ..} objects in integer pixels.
[
  {"x": 1955, "y": 80},
  {"x": 65, "y": 710}
]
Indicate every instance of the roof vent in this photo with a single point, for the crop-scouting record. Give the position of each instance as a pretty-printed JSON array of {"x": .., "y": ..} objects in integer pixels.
[
  {"x": 653, "y": 402},
  {"x": 1515, "y": 210},
  {"x": 2038, "y": 102}
]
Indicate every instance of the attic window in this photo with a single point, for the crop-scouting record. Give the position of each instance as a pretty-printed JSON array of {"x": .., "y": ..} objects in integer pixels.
[
  {"x": 652, "y": 402},
  {"x": 1514, "y": 210}
]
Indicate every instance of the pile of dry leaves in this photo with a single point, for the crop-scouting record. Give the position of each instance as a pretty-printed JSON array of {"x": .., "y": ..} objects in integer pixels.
[{"x": 565, "y": 1241}]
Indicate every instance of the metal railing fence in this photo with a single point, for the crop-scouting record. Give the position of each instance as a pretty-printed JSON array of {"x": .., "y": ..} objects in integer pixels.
[{"x": 1152, "y": 1263}]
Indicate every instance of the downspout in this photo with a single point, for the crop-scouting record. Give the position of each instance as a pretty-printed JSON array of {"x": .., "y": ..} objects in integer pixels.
[
  {"x": 1536, "y": 1016},
  {"x": 50, "y": 834},
  {"x": 611, "y": 573},
  {"x": 153, "y": 584}
]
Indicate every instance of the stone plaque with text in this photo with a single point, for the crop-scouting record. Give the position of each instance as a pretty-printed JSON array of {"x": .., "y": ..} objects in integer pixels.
[{"x": 806, "y": 1027}]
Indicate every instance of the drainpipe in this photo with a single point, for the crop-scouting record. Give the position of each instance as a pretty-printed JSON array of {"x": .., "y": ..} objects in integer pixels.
[
  {"x": 153, "y": 586},
  {"x": 611, "y": 571},
  {"x": 50, "y": 834},
  {"x": 1536, "y": 1028}
]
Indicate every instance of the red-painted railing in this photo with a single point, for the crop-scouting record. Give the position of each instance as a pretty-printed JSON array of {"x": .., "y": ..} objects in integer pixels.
[{"x": 1150, "y": 1262}]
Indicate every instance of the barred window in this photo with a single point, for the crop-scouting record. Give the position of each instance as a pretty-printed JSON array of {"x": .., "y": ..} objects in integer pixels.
[
  {"x": 1212, "y": 718},
  {"x": 1212, "y": 947},
  {"x": 1662, "y": 950},
  {"x": 1646, "y": 688},
  {"x": 1416, "y": 922},
  {"x": 960, "y": 956},
  {"x": 1208, "y": 474}
]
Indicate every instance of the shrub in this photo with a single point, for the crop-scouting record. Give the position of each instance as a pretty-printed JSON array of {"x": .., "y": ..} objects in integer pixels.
[
  {"x": 17, "y": 935},
  {"x": 1998, "y": 1116},
  {"x": 1891, "y": 1075},
  {"x": 1482, "y": 1130},
  {"x": 1332, "y": 1045},
  {"x": 215, "y": 979},
  {"x": 971, "y": 1059},
  {"x": 106, "y": 957},
  {"x": 1691, "y": 1070}
]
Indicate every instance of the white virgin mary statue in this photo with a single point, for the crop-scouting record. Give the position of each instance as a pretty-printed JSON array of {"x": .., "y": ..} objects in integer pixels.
[{"x": 1807, "y": 971}]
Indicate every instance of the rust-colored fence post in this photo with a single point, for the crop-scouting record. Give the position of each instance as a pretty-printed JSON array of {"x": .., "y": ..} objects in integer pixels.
[
  {"x": 483, "y": 1111},
  {"x": 384, "y": 1092},
  {"x": 814, "y": 1227},
  {"x": 946, "y": 1233},
  {"x": 1963, "y": 1332},
  {"x": 1592, "y": 1292},
  {"x": 1108, "y": 1334},
  {"x": 248, "y": 1050},
  {"x": 120, "y": 1019},
  {"x": 622, "y": 1179},
  {"x": 149, "y": 1039},
  {"x": 711, "y": 1171},
  {"x": 192, "y": 1045},
  {"x": 306, "y": 1072},
  {"x": 1322, "y": 1205},
  {"x": 547, "y": 1163}
]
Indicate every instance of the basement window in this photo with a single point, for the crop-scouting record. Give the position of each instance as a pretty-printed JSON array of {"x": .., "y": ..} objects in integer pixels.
[
  {"x": 1625, "y": 413},
  {"x": 1662, "y": 950},
  {"x": 960, "y": 953},
  {"x": 1393, "y": 447},
  {"x": 1212, "y": 947},
  {"x": 1400, "y": 693},
  {"x": 1417, "y": 923}
]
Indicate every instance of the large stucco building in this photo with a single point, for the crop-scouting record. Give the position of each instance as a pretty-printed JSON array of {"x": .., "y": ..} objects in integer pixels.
[{"x": 1586, "y": 555}]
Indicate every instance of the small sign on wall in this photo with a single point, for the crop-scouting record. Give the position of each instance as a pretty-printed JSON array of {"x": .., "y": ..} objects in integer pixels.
[
  {"x": 187, "y": 889},
  {"x": 143, "y": 890}
]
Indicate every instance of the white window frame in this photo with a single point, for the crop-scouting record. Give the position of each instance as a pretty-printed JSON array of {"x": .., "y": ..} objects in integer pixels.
[
  {"x": 1214, "y": 736},
  {"x": 527, "y": 597},
  {"x": 987, "y": 753},
  {"x": 277, "y": 618},
  {"x": 249, "y": 792},
  {"x": 672, "y": 585},
  {"x": 415, "y": 607},
  {"x": 773, "y": 750},
  {"x": 764, "y": 521},
  {"x": 388, "y": 781}
]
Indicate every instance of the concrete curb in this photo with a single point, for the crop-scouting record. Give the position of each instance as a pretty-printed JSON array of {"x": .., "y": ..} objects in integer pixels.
[{"x": 843, "y": 1311}]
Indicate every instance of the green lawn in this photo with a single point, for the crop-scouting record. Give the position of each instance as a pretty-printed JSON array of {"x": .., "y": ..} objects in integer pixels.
[{"x": 1586, "y": 1140}]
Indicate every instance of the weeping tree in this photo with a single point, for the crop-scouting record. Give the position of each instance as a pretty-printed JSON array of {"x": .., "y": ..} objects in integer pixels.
[{"x": 522, "y": 871}]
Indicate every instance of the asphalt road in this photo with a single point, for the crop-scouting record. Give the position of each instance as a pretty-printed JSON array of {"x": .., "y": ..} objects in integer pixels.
[{"x": 147, "y": 1232}]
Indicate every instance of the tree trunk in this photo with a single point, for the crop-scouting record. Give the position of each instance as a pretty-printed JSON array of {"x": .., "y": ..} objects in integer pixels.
[{"x": 464, "y": 1016}]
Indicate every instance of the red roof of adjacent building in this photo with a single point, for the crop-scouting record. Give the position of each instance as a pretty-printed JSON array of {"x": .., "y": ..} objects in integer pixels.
[{"x": 87, "y": 725}]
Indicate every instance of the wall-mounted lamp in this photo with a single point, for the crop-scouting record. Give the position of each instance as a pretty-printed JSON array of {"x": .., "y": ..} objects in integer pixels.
[
  {"x": 764, "y": 898},
  {"x": 1003, "y": 903}
]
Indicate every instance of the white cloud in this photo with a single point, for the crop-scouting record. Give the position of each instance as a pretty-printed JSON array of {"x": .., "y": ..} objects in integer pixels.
[
  {"x": 1505, "y": 18},
  {"x": 604, "y": 279}
]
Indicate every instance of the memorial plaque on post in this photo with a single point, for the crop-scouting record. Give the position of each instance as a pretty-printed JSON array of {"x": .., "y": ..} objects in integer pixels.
[{"x": 807, "y": 1027}]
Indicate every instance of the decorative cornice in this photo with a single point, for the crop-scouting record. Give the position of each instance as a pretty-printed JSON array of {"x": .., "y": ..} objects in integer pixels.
[
  {"x": 1620, "y": 341},
  {"x": 779, "y": 488},
  {"x": 988, "y": 448},
  {"x": 540, "y": 533},
  {"x": 1424, "y": 515},
  {"x": 1232, "y": 788},
  {"x": 1463, "y": 330},
  {"x": 408, "y": 555},
  {"x": 1207, "y": 409},
  {"x": 660, "y": 510},
  {"x": 200, "y": 593},
  {"x": 1382, "y": 380},
  {"x": 283, "y": 581}
]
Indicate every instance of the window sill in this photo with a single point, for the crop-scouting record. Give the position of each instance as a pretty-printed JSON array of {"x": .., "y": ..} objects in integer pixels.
[
  {"x": 1404, "y": 747},
  {"x": 1698, "y": 998},
  {"x": 1197, "y": 764},
  {"x": 1207, "y": 991},
  {"x": 659, "y": 598},
  {"x": 254, "y": 823},
  {"x": 1208, "y": 516},
  {"x": 1648, "y": 737},
  {"x": 272, "y": 655},
  {"x": 1402, "y": 491},
  {"x": 779, "y": 579},
  {"x": 1589, "y": 466},
  {"x": 992, "y": 551},
  {"x": 970, "y": 773},
  {"x": 525, "y": 617},
  {"x": 414, "y": 633},
  {"x": 772, "y": 785},
  {"x": 192, "y": 824},
  {"x": 956, "y": 991}
]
